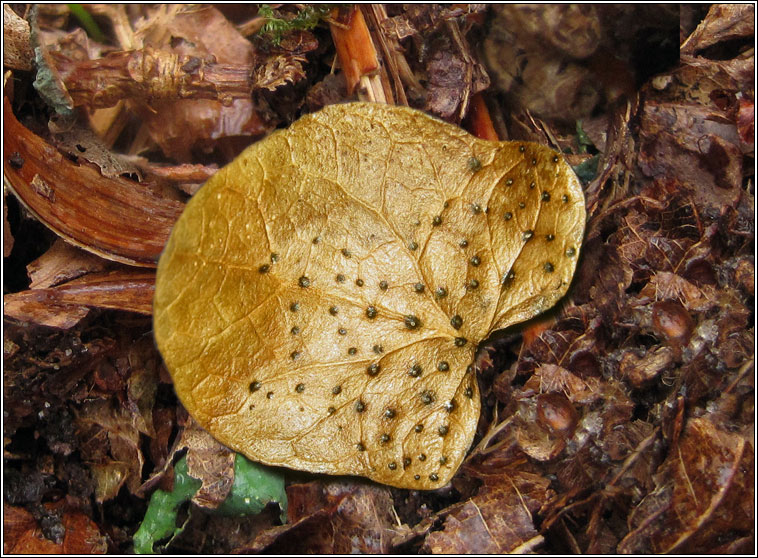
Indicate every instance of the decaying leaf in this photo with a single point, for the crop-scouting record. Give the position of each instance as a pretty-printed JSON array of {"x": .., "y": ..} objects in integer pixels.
[{"x": 321, "y": 298}]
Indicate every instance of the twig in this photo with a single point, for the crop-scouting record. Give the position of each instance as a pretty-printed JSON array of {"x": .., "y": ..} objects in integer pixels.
[
  {"x": 357, "y": 55},
  {"x": 478, "y": 121}
]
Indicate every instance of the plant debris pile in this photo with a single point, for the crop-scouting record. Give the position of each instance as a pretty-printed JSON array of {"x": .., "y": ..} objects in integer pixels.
[{"x": 622, "y": 421}]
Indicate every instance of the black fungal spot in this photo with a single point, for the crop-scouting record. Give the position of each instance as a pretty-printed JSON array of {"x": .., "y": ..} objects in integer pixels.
[
  {"x": 415, "y": 371},
  {"x": 342, "y": 331},
  {"x": 463, "y": 243},
  {"x": 336, "y": 390},
  {"x": 545, "y": 196},
  {"x": 427, "y": 397},
  {"x": 450, "y": 406},
  {"x": 565, "y": 198},
  {"x": 294, "y": 355},
  {"x": 419, "y": 288},
  {"x": 508, "y": 278},
  {"x": 443, "y": 366},
  {"x": 534, "y": 161},
  {"x": 509, "y": 182},
  {"x": 406, "y": 462},
  {"x": 255, "y": 386},
  {"x": 570, "y": 252},
  {"x": 383, "y": 285},
  {"x": 532, "y": 185},
  {"x": 294, "y": 307},
  {"x": 295, "y": 330},
  {"x": 416, "y": 477},
  {"x": 460, "y": 341},
  {"x": 264, "y": 268},
  {"x": 371, "y": 312},
  {"x": 316, "y": 240},
  {"x": 331, "y": 411},
  {"x": 360, "y": 447},
  {"x": 437, "y": 221},
  {"x": 508, "y": 216},
  {"x": 521, "y": 205},
  {"x": 443, "y": 430},
  {"x": 378, "y": 349},
  {"x": 340, "y": 278},
  {"x": 300, "y": 388},
  {"x": 433, "y": 477},
  {"x": 352, "y": 350},
  {"x": 359, "y": 282},
  {"x": 274, "y": 257},
  {"x": 346, "y": 253},
  {"x": 412, "y": 246},
  {"x": 476, "y": 208},
  {"x": 360, "y": 406},
  {"x": 548, "y": 267},
  {"x": 333, "y": 310},
  {"x": 473, "y": 284},
  {"x": 443, "y": 460},
  {"x": 475, "y": 261},
  {"x": 384, "y": 438},
  {"x": 392, "y": 466},
  {"x": 456, "y": 321},
  {"x": 16, "y": 160},
  {"x": 474, "y": 164},
  {"x": 468, "y": 392},
  {"x": 550, "y": 237},
  {"x": 412, "y": 322},
  {"x": 304, "y": 282},
  {"x": 389, "y": 414},
  {"x": 555, "y": 158},
  {"x": 373, "y": 369},
  {"x": 528, "y": 234},
  {"x": 521, "y": 148},
  {"x": 269, "y": 395},
  {"x": 441, "y": 292},
  {"x": 419, "y": 428},
  {"x": 422, "y": 457}
]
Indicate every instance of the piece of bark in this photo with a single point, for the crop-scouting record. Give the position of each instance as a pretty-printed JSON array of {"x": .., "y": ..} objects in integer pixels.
[
  {"x": 17, "y": 51},
  {"x": 64, "y": 306},
  {"x": 115, "y": 218},
  {"x": 61, "y": 263}
]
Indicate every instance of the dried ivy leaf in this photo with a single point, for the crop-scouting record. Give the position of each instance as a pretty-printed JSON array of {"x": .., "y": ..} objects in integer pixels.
[{"x": 321, "y": 298}]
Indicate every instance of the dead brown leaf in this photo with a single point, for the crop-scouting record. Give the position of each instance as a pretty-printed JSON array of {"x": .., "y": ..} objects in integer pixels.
[
  {"x": 362, "y": 327},
  {"x": 703, "y": 490},
  {"x": 499, "y": 518},
  {"x": 22, "y": 534},
  {"x": 333, "y": 518}
]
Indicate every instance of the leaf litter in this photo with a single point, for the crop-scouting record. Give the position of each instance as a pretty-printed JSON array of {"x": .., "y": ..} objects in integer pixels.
[{"x": 598, "y": 412}]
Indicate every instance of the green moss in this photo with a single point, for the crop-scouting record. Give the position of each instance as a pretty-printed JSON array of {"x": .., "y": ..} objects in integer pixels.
[{"x": 275, "y": 27}]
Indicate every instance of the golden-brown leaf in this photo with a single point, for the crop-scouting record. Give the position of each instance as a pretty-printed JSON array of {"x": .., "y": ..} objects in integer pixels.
[{"x": 321, "y": 298}]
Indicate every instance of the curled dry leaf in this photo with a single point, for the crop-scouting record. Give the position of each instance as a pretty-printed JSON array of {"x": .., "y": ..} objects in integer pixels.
[{"x": 321, "y": 298}]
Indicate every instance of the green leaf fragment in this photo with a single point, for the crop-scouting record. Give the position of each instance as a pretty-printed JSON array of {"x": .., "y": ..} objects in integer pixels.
[
  {"x": 87, "y": 21},
  {"x": 160, "y": 517},
  {"x": 587, "y": 169},
  {"x": 254, "y": 486}
]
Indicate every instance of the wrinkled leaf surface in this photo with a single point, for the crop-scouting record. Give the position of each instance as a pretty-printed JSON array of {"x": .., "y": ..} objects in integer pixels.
[{"x": 321, "y": 298}]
